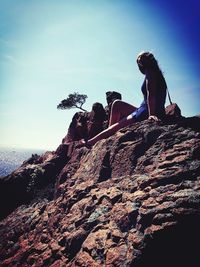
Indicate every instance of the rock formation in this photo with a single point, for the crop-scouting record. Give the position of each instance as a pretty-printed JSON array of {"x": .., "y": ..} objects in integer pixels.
[{"x": 132, "y": 200}]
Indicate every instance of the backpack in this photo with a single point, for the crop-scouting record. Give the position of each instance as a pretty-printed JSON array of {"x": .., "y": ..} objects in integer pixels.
[{"x": 172, "y": 110}]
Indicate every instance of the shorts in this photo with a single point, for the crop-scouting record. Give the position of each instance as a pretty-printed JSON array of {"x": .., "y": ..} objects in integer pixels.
[{"x": 141, "y": 113}]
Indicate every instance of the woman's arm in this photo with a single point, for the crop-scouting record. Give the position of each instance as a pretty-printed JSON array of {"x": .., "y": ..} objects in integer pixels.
[{"x": 151, "y": 94}]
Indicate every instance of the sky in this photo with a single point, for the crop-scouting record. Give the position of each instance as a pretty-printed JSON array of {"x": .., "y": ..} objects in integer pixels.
[{"x": 51, "y": 48}]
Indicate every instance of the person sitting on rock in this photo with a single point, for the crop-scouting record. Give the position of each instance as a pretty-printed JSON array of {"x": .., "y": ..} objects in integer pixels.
[
  {"x": 97, "y": 120},
  {"x": 153, "y": 106},
  {"x": 111, "y": 96}
]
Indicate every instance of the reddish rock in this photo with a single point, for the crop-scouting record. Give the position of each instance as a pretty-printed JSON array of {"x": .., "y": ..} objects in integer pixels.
[
  {"x": 132, "y": 200},
  {"x": 117, "y": 256},
  {"x": 84, "y": 260}
]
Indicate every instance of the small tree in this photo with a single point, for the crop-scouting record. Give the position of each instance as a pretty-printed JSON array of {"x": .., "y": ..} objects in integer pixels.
[{"x": 74, "y": 100}]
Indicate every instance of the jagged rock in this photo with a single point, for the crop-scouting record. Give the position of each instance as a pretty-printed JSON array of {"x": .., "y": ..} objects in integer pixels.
[
  {"x": 29, "y": 181},
  {"x": 34, "y": 159},
  {"x": 132, "y": 200},
  {"x": 77, "y": 128}
]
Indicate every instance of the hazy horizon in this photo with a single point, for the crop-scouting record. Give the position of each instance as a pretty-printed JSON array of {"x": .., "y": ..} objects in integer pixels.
[
  {"x": 12, "y": 158},
  {"x": 23, "y": 148}
]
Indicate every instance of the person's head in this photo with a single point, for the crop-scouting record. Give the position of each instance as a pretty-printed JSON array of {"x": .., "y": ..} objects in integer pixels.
[
  {"x": 111, "y": 96},
  {"x": 146, "y": 60},
  {"x": 98, "y": 111},
  {"x": 97, "y": 107}
]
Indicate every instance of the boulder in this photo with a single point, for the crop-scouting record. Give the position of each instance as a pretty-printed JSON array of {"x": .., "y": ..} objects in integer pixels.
[{"x": 132, "y": 200}]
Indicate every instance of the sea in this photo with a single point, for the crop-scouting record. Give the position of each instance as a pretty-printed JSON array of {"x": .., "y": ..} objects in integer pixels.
[{"x": 12, "y": 158}]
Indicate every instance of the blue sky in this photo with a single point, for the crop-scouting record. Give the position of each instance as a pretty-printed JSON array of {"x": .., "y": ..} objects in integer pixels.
[{"x": 51, "y": 48}]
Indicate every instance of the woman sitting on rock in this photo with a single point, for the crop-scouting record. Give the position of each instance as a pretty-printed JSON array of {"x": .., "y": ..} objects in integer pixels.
[{"x": 153, "y": 106}]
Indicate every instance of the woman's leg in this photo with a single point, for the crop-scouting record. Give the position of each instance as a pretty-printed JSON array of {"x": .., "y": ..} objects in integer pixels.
[
  {"x": 119, "y": 110},
  {"x": 111, "y": 130}
]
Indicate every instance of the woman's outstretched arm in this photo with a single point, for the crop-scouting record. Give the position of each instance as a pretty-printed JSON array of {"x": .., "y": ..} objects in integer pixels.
[{"x": 151, "y": 94}]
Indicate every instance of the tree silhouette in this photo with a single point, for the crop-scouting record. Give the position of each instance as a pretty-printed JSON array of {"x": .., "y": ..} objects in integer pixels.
[{"x": 74, "y": 100}]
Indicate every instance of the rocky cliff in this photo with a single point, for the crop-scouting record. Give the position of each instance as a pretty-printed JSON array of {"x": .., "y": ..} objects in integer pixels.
[{"x": 131, "y": 200}]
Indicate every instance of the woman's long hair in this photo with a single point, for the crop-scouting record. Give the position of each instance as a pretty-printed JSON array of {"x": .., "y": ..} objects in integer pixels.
[{"x": 147, "y": 60}]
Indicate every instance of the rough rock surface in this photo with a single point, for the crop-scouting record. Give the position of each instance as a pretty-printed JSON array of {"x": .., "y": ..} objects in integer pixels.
[{"x": 132, "y": 200}]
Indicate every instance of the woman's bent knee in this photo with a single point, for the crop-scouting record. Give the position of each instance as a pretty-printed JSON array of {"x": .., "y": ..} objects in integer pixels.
[{"x": 117, "y": 104}]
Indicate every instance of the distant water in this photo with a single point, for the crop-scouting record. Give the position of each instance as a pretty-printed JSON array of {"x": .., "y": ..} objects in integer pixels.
[{"x": 12, "y": 158}]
